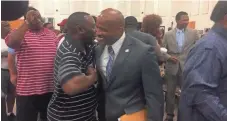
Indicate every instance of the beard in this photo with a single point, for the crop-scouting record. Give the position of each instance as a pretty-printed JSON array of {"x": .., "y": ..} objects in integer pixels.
[{"x": 89, "y": 37}]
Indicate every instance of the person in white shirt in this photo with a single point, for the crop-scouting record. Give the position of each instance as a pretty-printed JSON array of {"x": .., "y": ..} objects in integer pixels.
[
  {"x": 4, "y": 69},
  {"x": 7, "y": 72}
]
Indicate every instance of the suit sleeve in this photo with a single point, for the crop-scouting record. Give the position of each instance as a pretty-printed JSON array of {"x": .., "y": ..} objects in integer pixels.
[
  {"x": 152, "y": 85},
  {"x": 166, "y": 56}
]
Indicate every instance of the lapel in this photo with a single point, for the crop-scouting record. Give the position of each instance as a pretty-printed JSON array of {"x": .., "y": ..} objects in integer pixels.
[
  {"x": 99, "y": 51},
  {"x": 174, "y": 40},
  {"x": 186, "y": 36},
  {"x": 120, "y": 59}
]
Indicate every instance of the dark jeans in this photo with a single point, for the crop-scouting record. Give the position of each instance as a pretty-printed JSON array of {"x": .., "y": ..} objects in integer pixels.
[
  {"x": 28, "y": 107},
  {"x": 5, "y": 80},
  {"x": 3, "y": 110}
]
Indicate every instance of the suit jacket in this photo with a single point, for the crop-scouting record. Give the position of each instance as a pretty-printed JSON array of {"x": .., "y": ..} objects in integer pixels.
[
  {"x": 170, "y": 43},
  {"x": 148, "y": 39},
  {"x": 134, "y": 84}
]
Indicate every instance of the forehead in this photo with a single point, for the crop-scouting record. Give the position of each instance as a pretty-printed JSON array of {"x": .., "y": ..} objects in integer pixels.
[
  {"x": 104, "y": 21},
  {"x": 184, "y": 17}
]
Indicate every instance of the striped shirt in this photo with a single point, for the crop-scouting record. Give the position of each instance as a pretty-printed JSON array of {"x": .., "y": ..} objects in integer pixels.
[
  {"x": 35, "y": 62},
  {"x": 71, "y": 60}
]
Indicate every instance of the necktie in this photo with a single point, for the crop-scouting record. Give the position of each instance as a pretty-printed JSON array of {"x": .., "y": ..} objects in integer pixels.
[{"x": 110, "y": 62}]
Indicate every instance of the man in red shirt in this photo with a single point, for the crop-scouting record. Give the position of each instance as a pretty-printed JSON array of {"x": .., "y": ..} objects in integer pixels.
[{"x": 35, "y": 50}]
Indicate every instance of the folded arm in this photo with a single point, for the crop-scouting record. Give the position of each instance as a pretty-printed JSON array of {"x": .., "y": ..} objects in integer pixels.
[
  {"x": 14, "y": 39},
  {"x": 71, "y": 78}
]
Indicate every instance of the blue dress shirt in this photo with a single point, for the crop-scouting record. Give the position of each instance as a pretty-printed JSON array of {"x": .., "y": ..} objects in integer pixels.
[
  {"x": 204, "y": 89},
  {"x": 180, "y": 39}
]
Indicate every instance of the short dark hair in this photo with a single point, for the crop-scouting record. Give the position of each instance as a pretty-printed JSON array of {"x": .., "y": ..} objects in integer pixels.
[
  {"x": 77, "y": 18},
  {"x": 219, "y": 11},
  {"x": 45, "y": 24},
  {"x": 131, "y": 21},
  {"x": 29, "y": 8},
  {"x": 179, "y": 14}
]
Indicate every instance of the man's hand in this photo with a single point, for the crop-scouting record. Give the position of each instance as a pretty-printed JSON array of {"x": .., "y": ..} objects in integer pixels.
[
  {"x": 13, "y": 79},
  {"x": 92, "y": 74},
  {"x": 173, "y": 59}
]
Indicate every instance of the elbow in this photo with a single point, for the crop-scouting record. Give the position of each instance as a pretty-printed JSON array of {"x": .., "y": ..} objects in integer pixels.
[{"x": 11, "y": 43}]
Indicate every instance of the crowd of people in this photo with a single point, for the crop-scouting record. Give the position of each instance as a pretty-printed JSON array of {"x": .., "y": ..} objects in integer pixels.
[{"x": 103, "y": 68}]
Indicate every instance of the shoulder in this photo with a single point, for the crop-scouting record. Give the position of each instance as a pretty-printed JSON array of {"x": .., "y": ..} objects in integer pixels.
[
  {"x": 169, "y": 32},
  {"x": 213, "y": 42},
  {"x": 191, "y": 30},
  {"x": 144, "y": 37},
  {"x": 49, "y": 33},
  {"x": 64, "y": 46},
  {"x": 138, "y": 44}
]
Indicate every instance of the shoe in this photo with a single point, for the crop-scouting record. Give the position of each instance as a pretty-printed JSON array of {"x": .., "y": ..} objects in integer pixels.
[
  {"x": 11, "y": 117},
  {"x": 168, "y": 119}
]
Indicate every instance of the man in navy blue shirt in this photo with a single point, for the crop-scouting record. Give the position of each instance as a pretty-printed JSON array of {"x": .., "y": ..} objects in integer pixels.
[{"x": 204, "y": 90}]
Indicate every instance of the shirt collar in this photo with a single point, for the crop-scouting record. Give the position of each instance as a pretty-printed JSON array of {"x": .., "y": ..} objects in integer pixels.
[
  {"x": 78, "y": 44},
  {"x": 117, "y": 45},
  {"x": 43, "y": 31},
  {"x": 220, "y": 30},
  {"x": 75, "y": 43},
  {"x": 180, "y": 31}
]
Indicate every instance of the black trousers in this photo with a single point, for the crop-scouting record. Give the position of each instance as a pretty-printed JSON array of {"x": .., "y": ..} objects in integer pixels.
[
  {"x": 3, "y": 110},
  {"x": 4, "y": 88},
  {"x": 28, "y": 107}
]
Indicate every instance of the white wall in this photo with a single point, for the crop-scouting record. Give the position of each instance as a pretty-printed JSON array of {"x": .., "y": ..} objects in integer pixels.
[{"x": 199, "y": 10}]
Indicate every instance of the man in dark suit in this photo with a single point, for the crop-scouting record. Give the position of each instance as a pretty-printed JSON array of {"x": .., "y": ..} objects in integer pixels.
[
  {"x": 130, "y": 77},
  {"x": 131, "y": 25}
]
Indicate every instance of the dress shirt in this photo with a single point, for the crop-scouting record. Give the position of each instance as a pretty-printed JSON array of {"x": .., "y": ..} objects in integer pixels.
[
  {"x": 180, "y": 39},
  {"x": 204, "y": 92},
  {"x": 105, "y": 55}
]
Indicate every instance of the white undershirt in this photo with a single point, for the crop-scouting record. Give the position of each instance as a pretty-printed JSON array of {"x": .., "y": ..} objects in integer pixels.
[
  {"x": 105, "y": 55},
  {"x": 4, "y": 60}
]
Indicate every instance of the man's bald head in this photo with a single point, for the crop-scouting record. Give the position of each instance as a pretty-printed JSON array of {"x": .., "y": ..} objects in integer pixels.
[
  {"x": 110, "y": 26},
  {"x": 81, "y": 26},
  {"x": 113, "y": 16}
]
